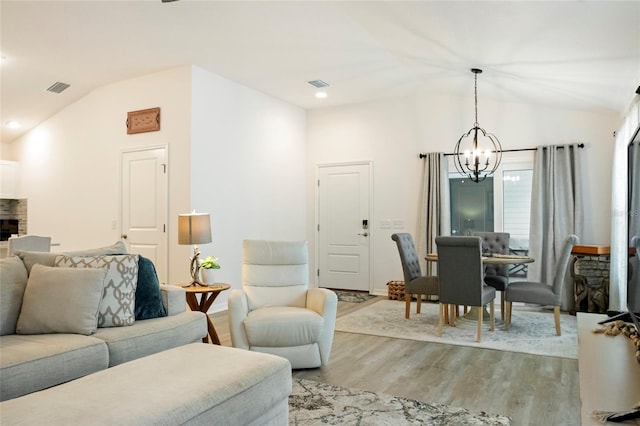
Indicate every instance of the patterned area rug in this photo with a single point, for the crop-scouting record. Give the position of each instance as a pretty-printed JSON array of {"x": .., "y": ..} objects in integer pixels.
[
  {"x": 314, "y": 403},
  {"x": 532, "y": 329},
  {"x": 353, "y": 296}
]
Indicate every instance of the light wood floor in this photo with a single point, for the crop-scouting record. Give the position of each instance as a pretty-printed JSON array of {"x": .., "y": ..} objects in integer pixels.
[{"x": 531, "y": 389}]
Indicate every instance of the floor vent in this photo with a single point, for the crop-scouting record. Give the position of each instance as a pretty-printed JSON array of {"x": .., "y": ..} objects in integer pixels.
[{"x": 58, "y": 87}]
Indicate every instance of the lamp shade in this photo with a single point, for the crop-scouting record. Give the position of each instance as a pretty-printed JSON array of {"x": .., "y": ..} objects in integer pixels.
[{"x": 194, "y": 228}]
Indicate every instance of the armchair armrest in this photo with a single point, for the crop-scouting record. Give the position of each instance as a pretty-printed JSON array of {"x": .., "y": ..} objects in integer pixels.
[
  {"x": 238, "y": 311},
  {"x": 174, "y": 299},
  {"x": 325, "y": 303}
]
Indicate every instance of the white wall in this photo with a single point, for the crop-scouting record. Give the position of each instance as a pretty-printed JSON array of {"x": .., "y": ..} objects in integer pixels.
[
  {"x": 392, "y": 132},
  {"x": 70, "y": 163},
  {"x": 248, "y": 169}
]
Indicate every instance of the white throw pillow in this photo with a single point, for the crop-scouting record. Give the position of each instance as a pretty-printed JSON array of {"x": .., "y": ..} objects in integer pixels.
[
  {"x": 117, "y": 307},
  {"x": 61, "y": 300}
]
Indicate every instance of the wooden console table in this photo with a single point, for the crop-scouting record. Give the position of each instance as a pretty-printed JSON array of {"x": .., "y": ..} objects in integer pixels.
[{"x": 608, "y": 370}]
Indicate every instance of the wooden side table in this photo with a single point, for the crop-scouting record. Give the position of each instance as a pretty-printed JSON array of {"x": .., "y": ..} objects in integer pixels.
[{"x": 209, "y": 295}]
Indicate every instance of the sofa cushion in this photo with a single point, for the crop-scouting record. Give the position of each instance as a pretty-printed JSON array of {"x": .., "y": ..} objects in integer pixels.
[
  {"x": 118, "y": 299},
  {"x": 30, "y": 258},
  {"x": 153, "y": 335},
  {"x": 148, "y": 297},
  {"x": 61, "y": 300},
  {"x": 283, "y": 326},
  {"x": 13, "y": 280},
  {"x": 30, "y": 363},
  {"x": 116, "y": 248},
  {"x": 168, "y": 388}
]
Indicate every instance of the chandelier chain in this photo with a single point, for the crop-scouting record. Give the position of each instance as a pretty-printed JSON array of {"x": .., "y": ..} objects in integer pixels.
[{"x": 476, "y": 97}]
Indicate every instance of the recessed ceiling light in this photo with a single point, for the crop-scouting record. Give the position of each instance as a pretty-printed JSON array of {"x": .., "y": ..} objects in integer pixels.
[
  {"x": 321, "y": 95},
  {"x": 13, "y": 124}
]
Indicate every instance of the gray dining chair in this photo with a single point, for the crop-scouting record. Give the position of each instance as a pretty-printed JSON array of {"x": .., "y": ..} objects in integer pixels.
[
  {"x": 496, "y": 276},
  {"x": 414, "y": 282},
  {"x": 461, "y": 275},
  {"x": 539, "y": 293}
]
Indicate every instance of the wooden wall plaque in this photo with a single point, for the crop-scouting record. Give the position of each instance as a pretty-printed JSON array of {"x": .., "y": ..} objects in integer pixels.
[{"x": 144, "y": 120}]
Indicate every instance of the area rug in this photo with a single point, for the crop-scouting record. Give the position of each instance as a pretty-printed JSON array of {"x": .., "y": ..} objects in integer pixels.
[
  {"x": 532, "y": 330},
  {"x": 353, "y": 296},
  {"x": 313, "y": 403}
]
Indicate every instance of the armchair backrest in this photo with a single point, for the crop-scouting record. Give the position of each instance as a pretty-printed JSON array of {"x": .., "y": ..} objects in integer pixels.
[
  {"x": 460, "y": 270},
  {"x": 408, "y": 256},
  {"x": 495, "y": 242},
  {"x": 561, "y": 266},
  {"x": 275, "y": 273}
]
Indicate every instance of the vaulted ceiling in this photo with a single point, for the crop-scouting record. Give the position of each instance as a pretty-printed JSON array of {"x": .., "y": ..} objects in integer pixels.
[{"x": 566, "y": 54}]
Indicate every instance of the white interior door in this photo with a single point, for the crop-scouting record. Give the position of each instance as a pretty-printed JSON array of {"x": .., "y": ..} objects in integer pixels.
[
  {"x": 144, "y": 205},
  {"x": 343, "y": 228}
]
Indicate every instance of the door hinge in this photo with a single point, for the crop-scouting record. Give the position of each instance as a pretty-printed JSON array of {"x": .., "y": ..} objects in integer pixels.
[
  {"x": 164, "y": 168},
  {"x": 318, "y": 227},
  {"x": 318, "y": 273},
  {"x": 318, "y": 182},
  {"x": 164, "y": 227}
]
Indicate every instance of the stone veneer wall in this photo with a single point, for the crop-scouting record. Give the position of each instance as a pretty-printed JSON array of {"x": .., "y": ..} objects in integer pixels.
[
  {"x": 591, "y": 280},
  {"x": 15, "y": 209}
]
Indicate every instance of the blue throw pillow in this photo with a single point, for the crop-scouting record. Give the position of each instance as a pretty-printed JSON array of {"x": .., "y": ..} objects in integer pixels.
[{"x": 148, "y": 298}]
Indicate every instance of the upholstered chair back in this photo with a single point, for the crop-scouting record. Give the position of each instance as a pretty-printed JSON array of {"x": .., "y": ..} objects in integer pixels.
[
  {"x": 460, "y": 270},
  {"x": 495, "y": 242},
  {"x": 561, "y": 267},
  {"x": 275, "y": 273},
  {"x": 408, "y": 256}
]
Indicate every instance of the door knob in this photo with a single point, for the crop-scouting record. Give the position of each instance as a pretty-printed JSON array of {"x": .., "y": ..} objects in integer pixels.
[
  {"x": 123, "y": 236},
  {"x": 364, "y": 234}
]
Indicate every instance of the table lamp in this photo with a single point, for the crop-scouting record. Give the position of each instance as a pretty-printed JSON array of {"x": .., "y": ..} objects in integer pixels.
[{"x": 193, "y": 229}]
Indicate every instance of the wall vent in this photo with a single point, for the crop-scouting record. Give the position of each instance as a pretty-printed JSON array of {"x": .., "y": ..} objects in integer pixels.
[
  {"x": 318, "y": 83},
  {"x": 58, "y": 87}
]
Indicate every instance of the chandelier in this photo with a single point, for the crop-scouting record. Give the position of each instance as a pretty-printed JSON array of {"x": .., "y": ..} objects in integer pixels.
[{"x": 481, "y": 151}]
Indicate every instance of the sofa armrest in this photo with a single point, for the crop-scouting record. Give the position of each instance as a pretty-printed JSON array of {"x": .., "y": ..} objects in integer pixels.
[
  {"x": 174, "y": 299},
  {"x": 238, "y": 311}
]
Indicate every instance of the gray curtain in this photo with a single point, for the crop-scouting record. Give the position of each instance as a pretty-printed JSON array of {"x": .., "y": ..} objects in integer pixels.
[
  {"x": 435, "y": 219},
  {"x": 556, "y": 211}
]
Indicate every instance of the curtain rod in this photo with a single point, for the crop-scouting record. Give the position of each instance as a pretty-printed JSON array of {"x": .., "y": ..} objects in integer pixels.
[{"x": 580, "y": 145}]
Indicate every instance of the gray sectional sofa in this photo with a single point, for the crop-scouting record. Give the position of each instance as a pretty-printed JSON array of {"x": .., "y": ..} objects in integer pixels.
[{"x": 32, "y": 361}]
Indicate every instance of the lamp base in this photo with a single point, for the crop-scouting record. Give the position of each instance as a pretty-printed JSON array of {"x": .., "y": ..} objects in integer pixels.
[{"x": 194, "y": 269}]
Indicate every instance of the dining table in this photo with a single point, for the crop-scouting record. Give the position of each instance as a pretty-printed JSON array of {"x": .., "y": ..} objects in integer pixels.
[{"x": 488, "y": 259}]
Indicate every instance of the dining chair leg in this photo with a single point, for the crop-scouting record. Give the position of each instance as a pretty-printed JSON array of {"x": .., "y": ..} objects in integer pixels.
[
  {"x": 556, "y": 315},
  {"x": 492, "y": 315},
  {"x": 457, "y": 310},
  {"x": 407, "y": 303},
  {"x": 452, "y": 315},
  {"x": 441, "y": 308},
  {"x": 446, "y": 314},
  {"x": 507, "y": 321},
  {"x": 502, "y": 305},
  {"x": 480, "y": 310},
  {"x": 419, "y": 303}
]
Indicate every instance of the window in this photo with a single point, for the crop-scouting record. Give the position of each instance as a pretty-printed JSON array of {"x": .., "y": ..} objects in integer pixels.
[{"x": 500, "y": 203}]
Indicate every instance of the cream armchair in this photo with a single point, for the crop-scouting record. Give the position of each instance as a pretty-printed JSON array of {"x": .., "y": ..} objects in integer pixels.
[{"x": 276, "y": 312}]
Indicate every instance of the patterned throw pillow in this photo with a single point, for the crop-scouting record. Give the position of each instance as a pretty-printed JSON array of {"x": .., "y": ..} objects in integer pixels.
[{"x": 117, "y": 306}]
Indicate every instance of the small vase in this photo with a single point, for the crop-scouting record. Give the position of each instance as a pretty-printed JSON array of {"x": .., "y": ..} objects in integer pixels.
[{"x": 208, "y": 276}]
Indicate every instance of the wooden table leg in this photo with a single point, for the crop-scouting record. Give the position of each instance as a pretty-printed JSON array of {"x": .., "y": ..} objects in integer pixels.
[{"x": 203, "y": 306}]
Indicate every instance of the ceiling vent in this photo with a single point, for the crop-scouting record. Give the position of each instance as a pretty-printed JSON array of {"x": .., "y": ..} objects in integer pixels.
[
  {"x": 58, "y": 87},
  {"x": 318, "y": 83}
]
